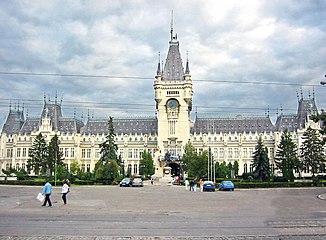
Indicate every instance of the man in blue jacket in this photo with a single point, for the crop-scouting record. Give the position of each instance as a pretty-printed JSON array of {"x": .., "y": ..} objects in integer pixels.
[{"x": 47, "y": 190}]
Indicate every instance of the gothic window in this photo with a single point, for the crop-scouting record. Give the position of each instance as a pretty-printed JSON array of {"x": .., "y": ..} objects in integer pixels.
[{"x": 251, "y": 168}]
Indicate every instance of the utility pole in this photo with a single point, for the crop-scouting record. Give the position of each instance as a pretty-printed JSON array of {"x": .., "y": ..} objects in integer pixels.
[{"x": 209, "y": 149}]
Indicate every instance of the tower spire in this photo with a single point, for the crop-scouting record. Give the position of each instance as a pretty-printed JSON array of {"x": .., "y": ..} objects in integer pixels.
[
  {"x": 187, "y": 65},
  {"x": 171, "y": 30},
  {"x": 158, "y": 72}
]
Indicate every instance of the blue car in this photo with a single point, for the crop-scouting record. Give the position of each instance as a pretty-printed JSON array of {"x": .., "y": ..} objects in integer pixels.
[
  {"x": 226, "y": 185},
  {"x": 209, "y": 186},
  {"x": 126, "y": 182}
]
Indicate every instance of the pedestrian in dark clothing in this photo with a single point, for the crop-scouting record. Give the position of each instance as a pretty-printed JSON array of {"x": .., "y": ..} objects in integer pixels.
[{"x": 191, "y": 185}]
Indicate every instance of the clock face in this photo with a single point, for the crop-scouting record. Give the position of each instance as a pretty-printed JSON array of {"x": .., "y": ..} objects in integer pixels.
[{"x": 172, "y": 104}]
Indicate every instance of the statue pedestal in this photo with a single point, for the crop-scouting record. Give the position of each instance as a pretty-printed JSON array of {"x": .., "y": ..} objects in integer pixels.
[{"x": 167, "y": 178}]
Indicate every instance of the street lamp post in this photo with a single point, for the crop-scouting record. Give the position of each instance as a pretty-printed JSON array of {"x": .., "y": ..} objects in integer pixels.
[{"x": 323, "y": 82}]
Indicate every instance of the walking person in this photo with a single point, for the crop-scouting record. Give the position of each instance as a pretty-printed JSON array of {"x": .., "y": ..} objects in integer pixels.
[
  {"x": 65, "y": 191},
  {"x": 47, "y": 191},
  {"x": 187, "y": 184},
  {"x": 195, "y": 184},
  {"x": 201, "y": 184},
  {"x": 191, "y": 185}
]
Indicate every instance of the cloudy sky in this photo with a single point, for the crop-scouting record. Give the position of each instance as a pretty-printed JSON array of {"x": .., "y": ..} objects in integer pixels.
[{"x": 245, "y": 56}]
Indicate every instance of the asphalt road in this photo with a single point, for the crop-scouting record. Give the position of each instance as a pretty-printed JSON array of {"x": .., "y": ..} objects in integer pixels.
[{"x": 163, "y": 212}]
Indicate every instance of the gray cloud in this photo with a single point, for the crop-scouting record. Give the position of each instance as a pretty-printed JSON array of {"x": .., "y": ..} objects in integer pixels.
[{"x": 262, "y": 41}]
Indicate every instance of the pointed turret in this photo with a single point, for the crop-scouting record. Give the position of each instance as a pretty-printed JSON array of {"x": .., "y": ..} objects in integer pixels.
[
  {"x": 158, "y": 72},
  {"x": 187, "y": 68},
  {"x": 173, "y": 69}
]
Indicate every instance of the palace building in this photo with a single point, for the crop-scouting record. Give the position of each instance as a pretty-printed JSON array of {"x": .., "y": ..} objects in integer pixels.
[{"x": 230, "y": 139}]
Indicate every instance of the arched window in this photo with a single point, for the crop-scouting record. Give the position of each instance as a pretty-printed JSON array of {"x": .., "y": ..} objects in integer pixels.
[{"x": 245, "y": 168}]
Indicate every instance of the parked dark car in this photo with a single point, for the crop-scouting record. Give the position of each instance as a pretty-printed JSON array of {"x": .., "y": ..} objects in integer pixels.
[
  {"x": 137, "y": 182},
  {"x": 126, "y": 182},
  {"x": 209, "y": 186},
  {"x": 226, "y": 185}
]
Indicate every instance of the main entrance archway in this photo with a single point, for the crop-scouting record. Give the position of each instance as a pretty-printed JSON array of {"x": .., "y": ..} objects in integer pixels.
[{"x": 175, "y": 169}]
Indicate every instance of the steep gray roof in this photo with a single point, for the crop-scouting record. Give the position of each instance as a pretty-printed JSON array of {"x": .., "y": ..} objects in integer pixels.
[
  {"x": 122, "y": 126},
  {"x": 30, "y": 125},
  {"x": 173, "y": 69},
  {"x": 289, "y": 122},
  {"x": 70, "y": 125},
  {"x": 14, "y": 122},
  {"x": 226, "y": 125},
  {"x": 52, "y": 110},
  {"x": 306, "y": 108}
]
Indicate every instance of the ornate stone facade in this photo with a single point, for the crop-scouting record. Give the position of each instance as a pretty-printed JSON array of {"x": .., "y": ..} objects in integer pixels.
[{"x": 230, "y": 139}]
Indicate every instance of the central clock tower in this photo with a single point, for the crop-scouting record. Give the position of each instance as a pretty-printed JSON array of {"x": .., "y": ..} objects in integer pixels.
[{"x": 173, "y": 96}]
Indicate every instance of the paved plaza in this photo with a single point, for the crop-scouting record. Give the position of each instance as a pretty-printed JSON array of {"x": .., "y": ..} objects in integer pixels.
[{"x": 163, "y": 212}]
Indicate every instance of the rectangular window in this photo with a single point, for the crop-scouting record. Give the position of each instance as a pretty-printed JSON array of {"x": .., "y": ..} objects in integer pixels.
[
  {"x": 221, "y": 153},
  {"x": 66, "y": 152},
  {"x": 129, "y": 153},
  {"x": 83, "y": 153},
  {"x": 135, "y": 168},
  {"x": 9, "y": 153},
  {"x": 121, "y": 153},
  {"x": 136, "y": 153},
  {"x": 72, "y": 152},
  {"x": 245, "y": 153},
  {"x": 215, "y": 153},
  {"x": 88, "y": 153},
  {"x": 236, "y": 153},
  {"x": 97, "y": 153},
  {"x": 88, "y": 167},
  {"x": 141, "y": 151},
  {"x": 230, "y": 153},
  {"x": 24, "y": 152},
  {"x": 18, "y": 152}
]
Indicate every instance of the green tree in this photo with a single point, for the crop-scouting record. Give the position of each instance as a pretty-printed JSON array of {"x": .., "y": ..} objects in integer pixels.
[
  {"x": 62, "y": 172},
  {"x": 322, "y": 118},
  {"x": 236, "y": 168},
  {"x": 198, "y": 165},
  {"x": 108, "y": 166},
  {"x": 111, "y": 170},
  {"x": 109, "y": 148},
  {"x": 189, "y": 155},
  {"x": 38, "y": 155},
  {"x": 261, "y": 161},
  {"x": 147, "y": 164},
  {"x": 222, "y": 170},
  {"x": 312, "y": 152},
  {"x": 286, "y": 158},
  {"x": 74, "y": 167},
  {"x": 55, "y": 156}
]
